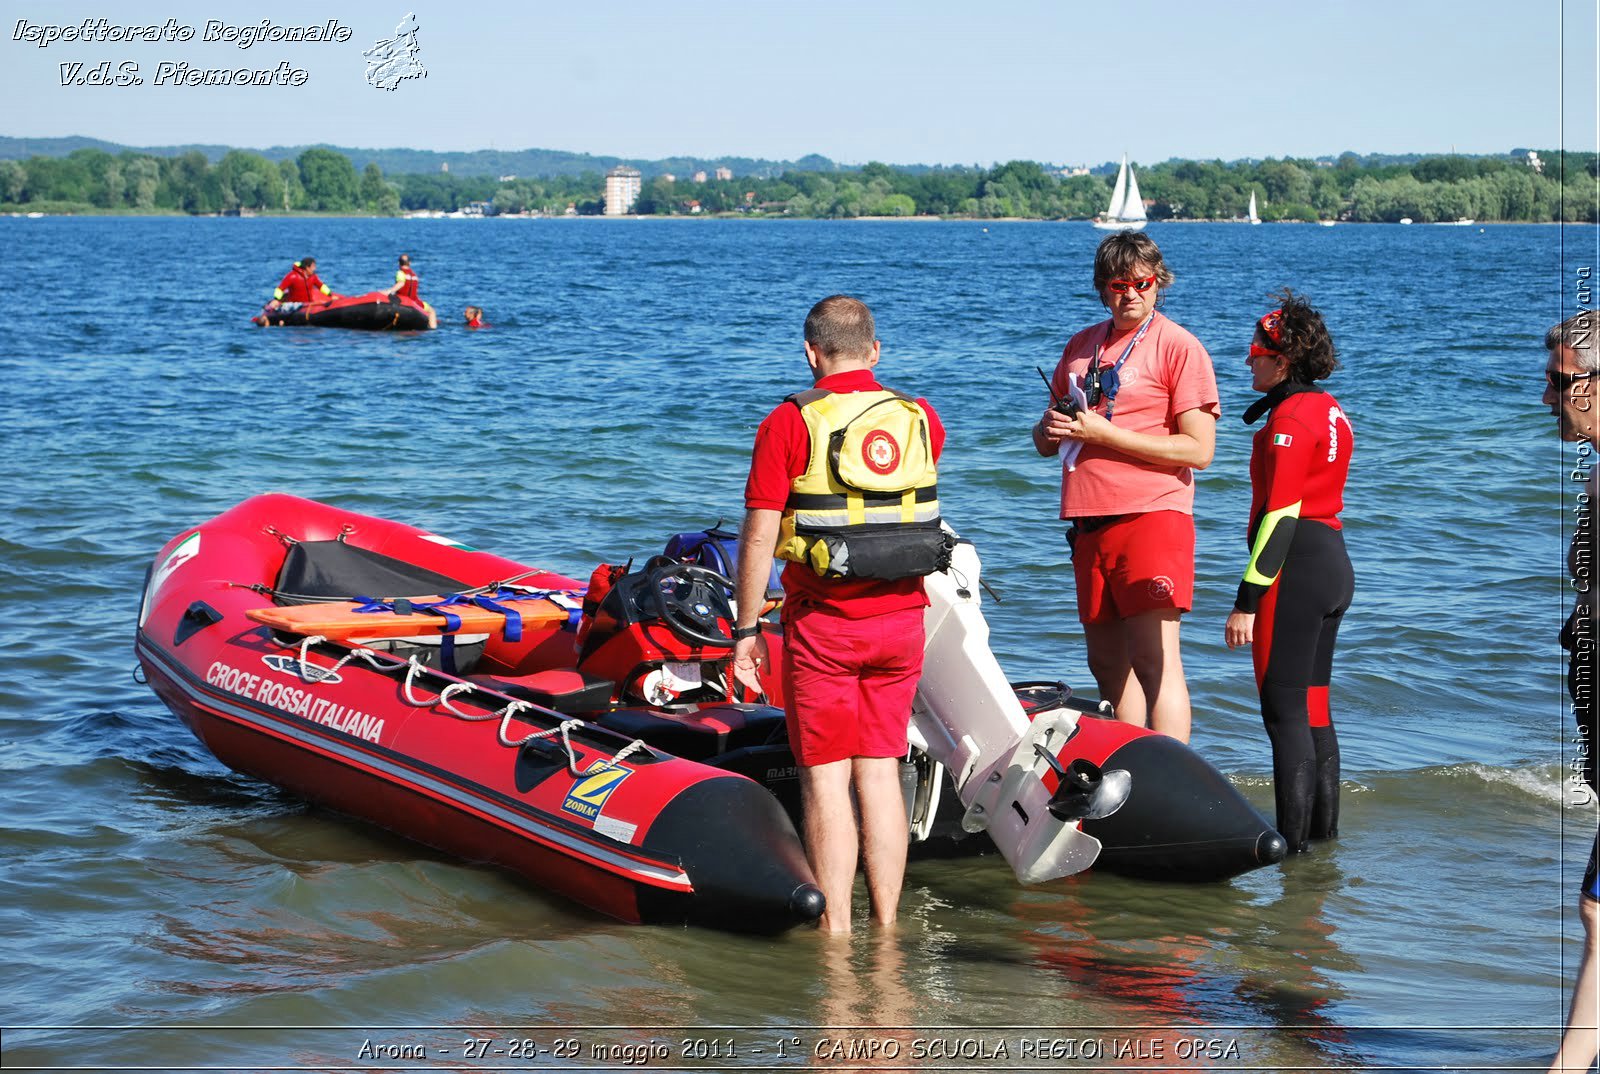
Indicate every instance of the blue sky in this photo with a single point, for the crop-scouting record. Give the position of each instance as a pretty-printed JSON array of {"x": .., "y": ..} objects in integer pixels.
[{"x": 902, "y": 82}]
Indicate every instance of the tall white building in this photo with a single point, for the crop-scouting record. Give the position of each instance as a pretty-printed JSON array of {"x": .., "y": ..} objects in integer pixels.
[{"x": 622, "y": 189}]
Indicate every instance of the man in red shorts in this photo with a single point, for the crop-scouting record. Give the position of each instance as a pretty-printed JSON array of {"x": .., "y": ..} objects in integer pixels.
[
  {"x": 859, "y": 526},
  {"x": 1149, "y": 420}
]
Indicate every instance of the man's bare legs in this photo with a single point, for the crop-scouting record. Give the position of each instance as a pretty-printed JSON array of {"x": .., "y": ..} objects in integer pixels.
[
  {"x": 1138, "y": 666},
  {"x": 884, "y": 834},
  {"x": 833, "y": 838}
]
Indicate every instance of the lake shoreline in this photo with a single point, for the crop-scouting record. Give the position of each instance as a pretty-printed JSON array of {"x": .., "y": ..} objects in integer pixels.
[{"x": 306, "y": 214}]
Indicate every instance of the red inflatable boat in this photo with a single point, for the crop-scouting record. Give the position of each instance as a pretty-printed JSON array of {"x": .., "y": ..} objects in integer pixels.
[
  {"x": 584, "y": 736},
  {"x": 373, "y": 312}
]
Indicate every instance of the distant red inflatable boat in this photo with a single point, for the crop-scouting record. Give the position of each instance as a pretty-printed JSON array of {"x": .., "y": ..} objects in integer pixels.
[{"x": 372, "y": 312}]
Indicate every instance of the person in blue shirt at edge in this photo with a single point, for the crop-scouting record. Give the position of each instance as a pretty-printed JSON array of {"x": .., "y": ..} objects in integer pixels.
[{"x": 1570, "y": 393}]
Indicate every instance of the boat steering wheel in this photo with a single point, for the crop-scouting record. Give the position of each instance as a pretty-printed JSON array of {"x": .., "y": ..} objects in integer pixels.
[{"x": 690, "y": 600}]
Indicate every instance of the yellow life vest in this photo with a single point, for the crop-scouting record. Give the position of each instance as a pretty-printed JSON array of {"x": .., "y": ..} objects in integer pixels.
[{"x": 867, "y": 505}]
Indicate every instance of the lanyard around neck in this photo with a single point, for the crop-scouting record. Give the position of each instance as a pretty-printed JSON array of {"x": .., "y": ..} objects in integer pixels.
[{"x": 1105, "y": 382}]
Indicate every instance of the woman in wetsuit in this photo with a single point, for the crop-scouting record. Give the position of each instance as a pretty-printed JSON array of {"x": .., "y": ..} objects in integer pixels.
[{"x": 1298, "y": 582}]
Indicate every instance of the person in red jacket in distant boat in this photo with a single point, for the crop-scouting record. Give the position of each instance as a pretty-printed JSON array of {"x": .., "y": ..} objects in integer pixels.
[
  {"x": 406, "y": 285},
  {"x": 299, "y": 286}
]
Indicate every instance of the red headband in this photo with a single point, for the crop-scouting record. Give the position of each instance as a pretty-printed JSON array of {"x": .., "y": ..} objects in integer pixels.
[{"x": 1272, "y": 326}]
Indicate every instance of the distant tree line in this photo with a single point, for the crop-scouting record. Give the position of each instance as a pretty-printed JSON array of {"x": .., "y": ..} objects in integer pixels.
[
  {"x": 318, "y": 180},
  {"x": 323, "y": 180}
]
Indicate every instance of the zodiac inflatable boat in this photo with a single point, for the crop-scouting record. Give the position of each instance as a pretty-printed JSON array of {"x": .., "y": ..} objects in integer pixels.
[
  {"x": 374, "y": 312},
  {"x": 588, "y": 737}
]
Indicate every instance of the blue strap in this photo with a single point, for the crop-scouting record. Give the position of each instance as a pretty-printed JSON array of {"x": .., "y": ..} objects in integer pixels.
[
  {"x": 452, "y": 621},
  {"x": 574, "y": 614},
  {"x": 513, "y": 617},
  {"x": 487, "y": 601},
  {"x": 1110, "y": 379}
]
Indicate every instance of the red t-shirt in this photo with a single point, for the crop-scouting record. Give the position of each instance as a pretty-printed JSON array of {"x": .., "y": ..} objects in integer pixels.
[
  {"x": 782, "y": 449},
  {"x": 1301, "y": 455},
  {"x": 1168, "y": 373}
]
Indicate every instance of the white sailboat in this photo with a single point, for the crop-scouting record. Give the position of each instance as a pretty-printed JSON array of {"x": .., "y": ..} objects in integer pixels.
[
  {"x": 1253, "y": 218},
  {"x": 1126, "y": 211}
]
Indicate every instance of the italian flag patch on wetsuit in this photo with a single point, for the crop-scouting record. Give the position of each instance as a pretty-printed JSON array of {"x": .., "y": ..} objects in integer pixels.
[{"x": 1281, "y": 439}]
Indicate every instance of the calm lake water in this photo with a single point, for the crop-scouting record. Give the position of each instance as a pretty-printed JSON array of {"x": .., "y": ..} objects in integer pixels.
[{"x": 162, "y": 913}]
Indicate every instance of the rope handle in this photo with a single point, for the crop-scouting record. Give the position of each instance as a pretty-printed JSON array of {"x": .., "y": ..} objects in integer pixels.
[{"x": 445, "y": 698}]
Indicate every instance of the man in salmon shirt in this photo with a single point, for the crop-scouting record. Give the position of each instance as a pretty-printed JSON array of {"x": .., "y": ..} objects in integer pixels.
[
  {"x": 843, "y": 486},
  {"x": 1148, "y": 420}
]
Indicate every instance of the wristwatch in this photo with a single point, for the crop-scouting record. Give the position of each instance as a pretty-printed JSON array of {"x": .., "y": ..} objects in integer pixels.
[{"x": 743, "y": 632}]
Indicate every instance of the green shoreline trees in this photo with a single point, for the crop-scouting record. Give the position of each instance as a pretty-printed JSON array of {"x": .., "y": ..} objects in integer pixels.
[{"x": 324, "y": 180}]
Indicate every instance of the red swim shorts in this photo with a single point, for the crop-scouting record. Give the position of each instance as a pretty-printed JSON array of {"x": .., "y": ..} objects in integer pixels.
[
  {"x": 1140, "y": 563},
  {"x": 848, "y": 683}
]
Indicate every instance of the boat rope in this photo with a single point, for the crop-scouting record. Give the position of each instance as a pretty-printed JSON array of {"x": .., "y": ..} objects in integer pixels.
[
  {"x": 636, "y": 744},
  {"x": 505, "y": 713},
  {"x": 322, "y": 673},
  {"x": 413, "y": 665},
  {"x": 314, "y": 674},
  {"x": 510, "y": 709}
]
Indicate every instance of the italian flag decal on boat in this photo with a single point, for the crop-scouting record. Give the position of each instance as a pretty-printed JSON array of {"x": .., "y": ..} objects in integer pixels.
[
  {"x": 447, "y": 542},
  {"x": 187, "y": 549}
]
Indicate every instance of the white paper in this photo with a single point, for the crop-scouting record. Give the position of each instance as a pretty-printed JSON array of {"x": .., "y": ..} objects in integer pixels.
[{"x": 1070, "y": 448}]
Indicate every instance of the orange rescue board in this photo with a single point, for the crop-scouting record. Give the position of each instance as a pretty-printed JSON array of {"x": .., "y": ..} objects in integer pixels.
[{"x": 341, "y": 621}]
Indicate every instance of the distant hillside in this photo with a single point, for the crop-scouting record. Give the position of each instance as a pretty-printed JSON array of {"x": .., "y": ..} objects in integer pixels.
[
  {"x": 558, "y": 163},
  {"x": 526, "y": 163},
  {"x": 96, "y": 177}
]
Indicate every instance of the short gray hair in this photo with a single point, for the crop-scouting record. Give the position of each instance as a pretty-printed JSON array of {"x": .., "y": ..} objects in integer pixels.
[
  {"x": 1577, "y": 332},
  {"x": 841, "y": 325}
]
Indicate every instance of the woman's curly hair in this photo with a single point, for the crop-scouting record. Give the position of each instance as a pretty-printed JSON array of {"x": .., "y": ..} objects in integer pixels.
[{"x": 1303, "y": 339}]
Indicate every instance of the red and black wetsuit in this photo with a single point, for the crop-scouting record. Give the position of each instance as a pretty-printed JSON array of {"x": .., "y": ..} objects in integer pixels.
[{"x": 1298, "y": 583}]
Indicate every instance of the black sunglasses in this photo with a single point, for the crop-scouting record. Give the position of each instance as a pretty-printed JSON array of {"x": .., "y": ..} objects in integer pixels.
[{"x": 1562, "y": 381}]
